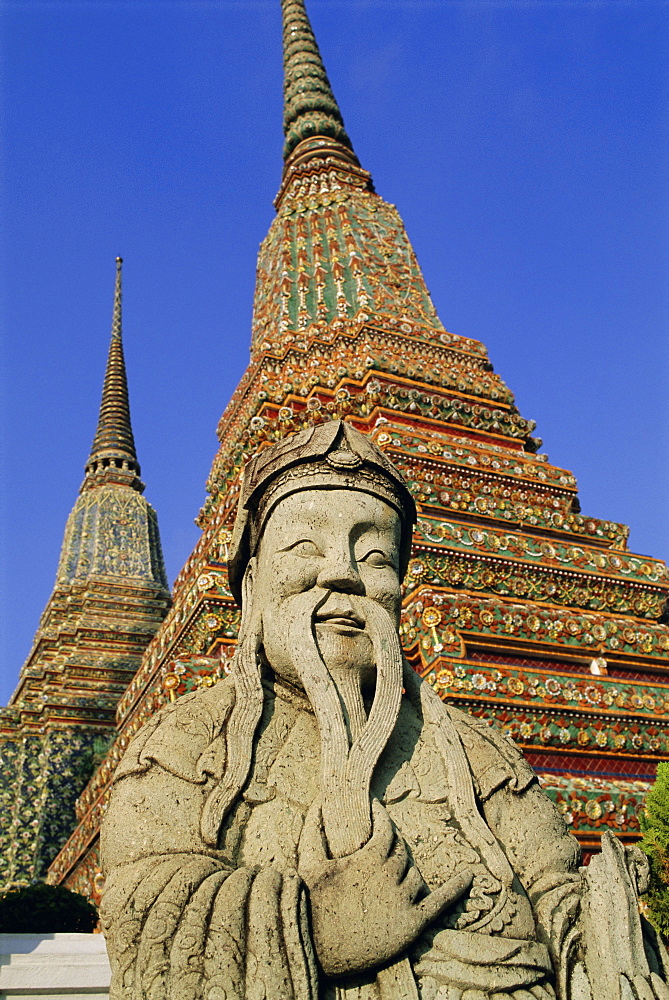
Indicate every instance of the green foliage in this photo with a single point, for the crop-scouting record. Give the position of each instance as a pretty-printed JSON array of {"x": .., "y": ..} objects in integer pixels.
[
  {"x": 655, "y": 844},
  {"x": 45, "y": 909}
]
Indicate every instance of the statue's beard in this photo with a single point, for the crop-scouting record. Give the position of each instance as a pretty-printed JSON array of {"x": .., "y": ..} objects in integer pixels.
[
  {"x": 334, "y": 670},
  {"x": 348, "y": 654}
]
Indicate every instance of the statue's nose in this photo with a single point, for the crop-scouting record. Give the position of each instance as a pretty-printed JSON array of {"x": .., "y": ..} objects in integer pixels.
[{"x": 339, "y": 573}]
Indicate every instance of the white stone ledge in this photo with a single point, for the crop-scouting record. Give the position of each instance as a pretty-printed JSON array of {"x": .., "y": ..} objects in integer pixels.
[{"x": 51, "y": 966}]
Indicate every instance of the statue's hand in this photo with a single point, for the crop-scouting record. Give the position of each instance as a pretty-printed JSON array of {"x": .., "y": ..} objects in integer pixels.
[{"x": 368, "y": 907}]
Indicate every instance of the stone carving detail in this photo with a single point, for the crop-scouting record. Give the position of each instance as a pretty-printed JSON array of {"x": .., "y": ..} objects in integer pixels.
[{"x": 319, "y": 824}]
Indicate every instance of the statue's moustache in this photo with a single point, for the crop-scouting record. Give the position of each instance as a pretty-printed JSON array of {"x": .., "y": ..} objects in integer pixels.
[
  {"x": 340, "y": 613},
  {"x": 332, "y": 607},
  {"x": 346, "y": 768}
]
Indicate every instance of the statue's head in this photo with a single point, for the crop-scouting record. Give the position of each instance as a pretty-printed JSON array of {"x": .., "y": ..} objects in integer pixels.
[
  {"x": 331, "y": 456},
  {"x": 324, "y": 523},
  {"x": 320, "y": 547}
]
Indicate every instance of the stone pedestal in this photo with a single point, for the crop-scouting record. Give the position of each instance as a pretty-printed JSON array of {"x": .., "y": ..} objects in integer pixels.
[{"x": 51, "y": 966}]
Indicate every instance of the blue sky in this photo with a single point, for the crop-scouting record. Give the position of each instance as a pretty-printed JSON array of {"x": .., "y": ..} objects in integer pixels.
[{"x": 524, "y": 144}]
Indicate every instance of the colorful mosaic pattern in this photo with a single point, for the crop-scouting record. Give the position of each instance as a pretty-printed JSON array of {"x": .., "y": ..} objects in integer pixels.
[
  {"x": 591, "y": 805},
  {"x": 347, "y": 253},
  {"x": 87, "y": 879},
  {"x": 527, "y": 625},
  {"x": 112, "y": 531},
  {"x": 41, "y": 779},
  {"x": 511, "y": 578}
]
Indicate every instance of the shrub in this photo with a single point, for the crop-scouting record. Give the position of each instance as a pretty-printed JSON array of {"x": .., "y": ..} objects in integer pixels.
[
  {"x": 655, "y": 825},
  {"x": 45, "y": 909}
]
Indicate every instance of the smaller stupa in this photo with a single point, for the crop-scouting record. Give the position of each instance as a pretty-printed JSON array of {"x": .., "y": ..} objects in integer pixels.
[{"x": 111, "y": 594}]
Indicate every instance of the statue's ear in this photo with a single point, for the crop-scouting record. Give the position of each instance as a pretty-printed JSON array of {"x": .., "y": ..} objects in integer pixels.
[{"x": 247, "y": 589}]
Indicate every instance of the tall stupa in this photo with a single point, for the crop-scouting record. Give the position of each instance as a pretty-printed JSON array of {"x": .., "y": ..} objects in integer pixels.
[{"x": 517, "y": 606}]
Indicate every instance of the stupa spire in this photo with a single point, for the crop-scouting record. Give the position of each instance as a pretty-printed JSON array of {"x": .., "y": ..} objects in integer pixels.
[
  {"x": 336, "y": 250},
  {"x": 309, "y": 105},
  {"x": 113, "y": 456}
]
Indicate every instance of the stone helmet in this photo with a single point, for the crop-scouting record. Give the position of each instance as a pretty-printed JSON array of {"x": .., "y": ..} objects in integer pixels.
[{"x": 330, "y": 456}]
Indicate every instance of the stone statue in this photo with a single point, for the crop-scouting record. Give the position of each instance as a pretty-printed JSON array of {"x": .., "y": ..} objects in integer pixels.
[{"x": 320, "y": 824}]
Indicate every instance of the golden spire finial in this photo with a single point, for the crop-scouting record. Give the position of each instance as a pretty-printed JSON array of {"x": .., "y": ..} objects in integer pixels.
[{"x": 113, "y": 451}]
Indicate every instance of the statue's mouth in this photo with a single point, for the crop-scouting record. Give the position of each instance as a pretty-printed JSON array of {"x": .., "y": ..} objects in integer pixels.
[{"x": 341, "y": 618}]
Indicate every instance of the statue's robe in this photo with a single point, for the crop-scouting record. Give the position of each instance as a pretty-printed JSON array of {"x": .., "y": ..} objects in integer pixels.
[{"x": 185, "y": 920}]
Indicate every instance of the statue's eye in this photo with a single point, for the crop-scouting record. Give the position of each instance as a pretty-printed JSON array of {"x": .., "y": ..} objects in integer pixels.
[
  {"x": 376, "y": 558},
  {"x": 304, "y": 547}
]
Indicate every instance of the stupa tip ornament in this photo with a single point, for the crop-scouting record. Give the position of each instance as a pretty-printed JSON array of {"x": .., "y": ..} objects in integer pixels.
[
  {"x": 113, "y": 457},
  {"x": 310, "y": 107},
  {"x": 117, "y": 314}
]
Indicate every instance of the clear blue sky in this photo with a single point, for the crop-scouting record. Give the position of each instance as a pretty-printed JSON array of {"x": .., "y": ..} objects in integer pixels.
[{"x": 524, "y": 144}]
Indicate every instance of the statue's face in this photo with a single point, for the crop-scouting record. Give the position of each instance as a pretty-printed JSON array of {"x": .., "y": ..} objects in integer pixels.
[{"x": 343, "y": 542}]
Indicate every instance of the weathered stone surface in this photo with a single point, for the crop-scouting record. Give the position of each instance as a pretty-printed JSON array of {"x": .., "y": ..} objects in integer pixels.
[{"x": 320, "y": 824}]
